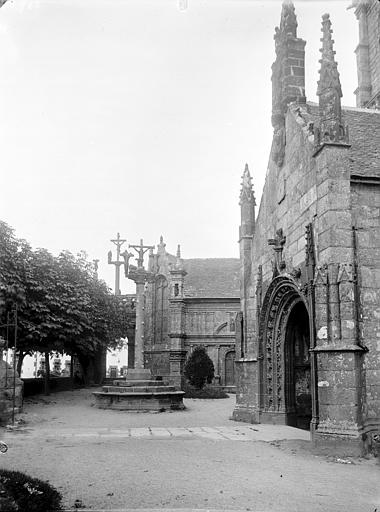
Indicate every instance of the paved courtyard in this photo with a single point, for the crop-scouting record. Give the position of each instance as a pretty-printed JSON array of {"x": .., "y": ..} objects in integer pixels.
[{"x": 183, "y": 460}]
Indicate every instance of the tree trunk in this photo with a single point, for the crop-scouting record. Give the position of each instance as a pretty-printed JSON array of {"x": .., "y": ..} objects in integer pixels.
[
  {"x": 47, "y": 373},
  {"x": 20, "y": 360},
  {"x": 72, "y": 370},
  {"x": 87, "y": 364},
  {"x": 100, "y": 366}
]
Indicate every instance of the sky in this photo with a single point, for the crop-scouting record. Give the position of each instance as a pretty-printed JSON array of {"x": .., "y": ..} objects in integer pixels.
[{"x": 138, "y": 116}]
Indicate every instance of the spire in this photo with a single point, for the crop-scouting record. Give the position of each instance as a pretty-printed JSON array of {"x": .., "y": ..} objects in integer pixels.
[
  {"x": 247, "y": 205},
  {"x": 331, "y": 129},
  {"x": 329, "y": 75},
  {"x": 246, "y": 193},
  {"x": 178, "y": 262}
]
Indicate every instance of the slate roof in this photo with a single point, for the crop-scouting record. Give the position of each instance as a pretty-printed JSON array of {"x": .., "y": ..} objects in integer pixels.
[
  {"x": 212, "y": 277},
  {"x": 364, "y": 137}
]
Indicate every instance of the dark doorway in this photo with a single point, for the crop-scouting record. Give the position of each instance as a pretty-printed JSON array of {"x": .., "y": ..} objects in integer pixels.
[
  {"x": 297, "y": 368},
  {"x": 230, "y": 369}
]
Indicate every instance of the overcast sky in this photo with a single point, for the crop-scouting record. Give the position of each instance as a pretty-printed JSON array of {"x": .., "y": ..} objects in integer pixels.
[{"x": 138, "y": 116}]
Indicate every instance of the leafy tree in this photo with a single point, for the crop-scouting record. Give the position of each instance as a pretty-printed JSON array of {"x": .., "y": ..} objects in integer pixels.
[
  {"x": 199, "y": 368},
  {"x": 62, "y": 306}
]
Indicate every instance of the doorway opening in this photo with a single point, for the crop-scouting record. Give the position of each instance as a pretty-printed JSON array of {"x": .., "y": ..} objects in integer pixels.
[
  {"x": 297, "y": 368},
  {"x": 230, "y": 369}
]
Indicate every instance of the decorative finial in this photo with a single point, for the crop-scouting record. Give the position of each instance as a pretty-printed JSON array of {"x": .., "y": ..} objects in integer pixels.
[
  {"x": 246, "y": 193},
  {"x": 178, "y": 262},
  {"x": 331, "y": 129},
  {"x": 161, "y": 246}
]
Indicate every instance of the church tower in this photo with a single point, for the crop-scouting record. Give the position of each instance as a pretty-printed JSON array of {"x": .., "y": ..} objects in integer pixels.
[{"x": 368, "y": 53}]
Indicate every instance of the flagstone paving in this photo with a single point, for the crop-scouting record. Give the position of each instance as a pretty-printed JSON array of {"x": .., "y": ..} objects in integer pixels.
[{"x": 189, "y": 460}]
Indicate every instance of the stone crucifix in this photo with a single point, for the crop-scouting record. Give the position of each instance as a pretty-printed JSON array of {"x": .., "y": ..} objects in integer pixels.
[
  {"x": 278, "y": 246},
  {"x": 141, "y": 250},
  {"x": 117, "y": 262},
  {"x": 140, "y": 276}
]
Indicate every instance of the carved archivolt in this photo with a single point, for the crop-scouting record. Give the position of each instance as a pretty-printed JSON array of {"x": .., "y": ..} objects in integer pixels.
[{"x": 282, "y": 295}]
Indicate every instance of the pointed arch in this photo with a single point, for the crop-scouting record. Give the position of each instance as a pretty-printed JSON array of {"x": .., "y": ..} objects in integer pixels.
[{"x": 280, "y": 300}]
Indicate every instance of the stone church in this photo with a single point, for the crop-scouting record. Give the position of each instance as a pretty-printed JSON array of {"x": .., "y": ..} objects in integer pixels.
[
  {"x": 308, "y": 334},
  {"x": 190, "y": 302}
]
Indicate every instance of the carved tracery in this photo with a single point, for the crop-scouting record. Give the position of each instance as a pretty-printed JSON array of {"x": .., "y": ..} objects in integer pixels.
[{"x": 279, "y": 301}]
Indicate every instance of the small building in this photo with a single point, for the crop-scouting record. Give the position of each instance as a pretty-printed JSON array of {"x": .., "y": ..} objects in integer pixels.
[{"x": 190, "y": 302}]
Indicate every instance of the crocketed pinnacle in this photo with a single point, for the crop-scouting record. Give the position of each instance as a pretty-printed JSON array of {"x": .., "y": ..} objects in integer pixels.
[
  {"x": 246, "y": 193},
  {"x": 330, "y": 129},
  {"x": 329, "y": 75},
  {"x": 288, "y": 23},
  {"x": 178, "y": 262}
]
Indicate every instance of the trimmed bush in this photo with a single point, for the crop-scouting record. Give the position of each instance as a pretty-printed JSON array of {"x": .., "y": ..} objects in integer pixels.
[
  {"x": 29, "y": 494},
  {"x": 199, "y": 368}
]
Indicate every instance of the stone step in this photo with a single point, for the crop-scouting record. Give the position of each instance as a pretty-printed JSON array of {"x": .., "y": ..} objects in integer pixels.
[
  {"x": 148, "y": 393},
  {"x": 129, "y": 383},
  {"x": 137, "y": 389}
]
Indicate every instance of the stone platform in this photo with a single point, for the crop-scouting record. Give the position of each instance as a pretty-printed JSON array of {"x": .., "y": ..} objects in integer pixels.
[{"x": 139, "y": 392}]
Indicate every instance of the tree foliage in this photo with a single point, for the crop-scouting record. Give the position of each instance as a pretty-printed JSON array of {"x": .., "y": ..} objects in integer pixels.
[
  {"x": 199, "y": 368},
  {"x": 62, "y": 306}
]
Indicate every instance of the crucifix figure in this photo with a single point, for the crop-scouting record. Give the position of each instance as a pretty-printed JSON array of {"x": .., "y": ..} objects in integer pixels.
[
  {"x": 278, "y": 246},
  {"x": 118, "y": 242},
  {"x": 141, "y": 250}
]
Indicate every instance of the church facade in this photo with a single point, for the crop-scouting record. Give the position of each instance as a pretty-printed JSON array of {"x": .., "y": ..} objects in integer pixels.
[
  {"x": 308, "y": 339},
  {"x": 190, "y": 302}
]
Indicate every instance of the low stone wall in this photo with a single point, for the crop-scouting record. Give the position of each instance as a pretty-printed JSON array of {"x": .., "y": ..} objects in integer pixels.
[
  {"x": 6, "y": 392},
  {"x": 37, "y": 386}
]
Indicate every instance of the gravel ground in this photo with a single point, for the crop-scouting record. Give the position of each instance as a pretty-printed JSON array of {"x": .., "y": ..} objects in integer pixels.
[{"x": 78, "y": 449}]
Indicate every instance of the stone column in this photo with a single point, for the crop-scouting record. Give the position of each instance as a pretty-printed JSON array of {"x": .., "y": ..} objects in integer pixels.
[
  {"x": 140, "y": 276},
  {"x": 139, "y": 336}
]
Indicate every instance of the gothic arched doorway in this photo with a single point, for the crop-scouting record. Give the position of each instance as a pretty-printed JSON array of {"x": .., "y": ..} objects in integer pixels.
[
  {"x": 284, "y": 355},
  {"x": 297, "y": 368}
]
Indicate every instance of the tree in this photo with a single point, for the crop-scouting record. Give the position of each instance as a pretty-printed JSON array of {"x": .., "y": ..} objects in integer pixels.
[
  {"x": 62, "y": 306},
  {"x": 199, "y": 368}
]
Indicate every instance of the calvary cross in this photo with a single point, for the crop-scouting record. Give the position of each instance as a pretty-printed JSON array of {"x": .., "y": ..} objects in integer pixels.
[{"x": 141, "y": 250}]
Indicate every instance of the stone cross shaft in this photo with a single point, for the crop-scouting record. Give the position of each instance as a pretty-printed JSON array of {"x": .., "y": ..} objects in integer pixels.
[
  {"x": 140, "y": 276},
  {"x": 278, "y": 246},
  {"x": 118, "y": 242}
]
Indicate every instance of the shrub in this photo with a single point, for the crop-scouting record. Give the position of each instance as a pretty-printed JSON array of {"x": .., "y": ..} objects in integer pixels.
[
  {"x": 30, "y": 494},
  {"x": 199, "y": 368}
]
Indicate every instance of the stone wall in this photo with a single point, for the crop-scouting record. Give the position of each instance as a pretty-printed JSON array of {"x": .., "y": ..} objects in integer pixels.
[
  {"x": 373, "y": 17},
  {"x": 368, "y": 52},
  {"x": 289, "y": 202},
  {"x": 366, "y": 217},
  {"x": 211, "y": 323},
  {"x": 6, "y": 392}
]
